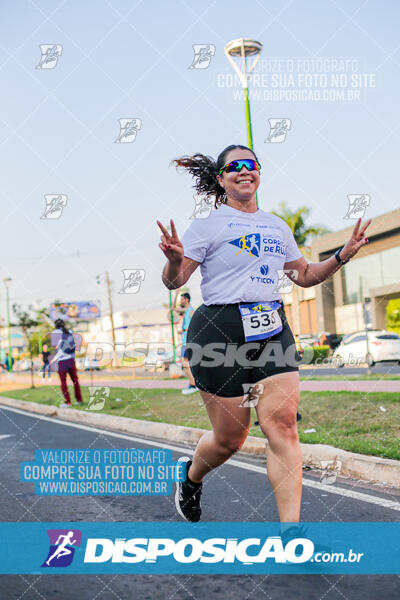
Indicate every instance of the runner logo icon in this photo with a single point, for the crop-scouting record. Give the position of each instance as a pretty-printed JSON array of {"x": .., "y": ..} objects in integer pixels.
[
  {"x": 50, "y": 55},
  {"x": 62, "y": 547},
  {"x": 250, "y": 243}
]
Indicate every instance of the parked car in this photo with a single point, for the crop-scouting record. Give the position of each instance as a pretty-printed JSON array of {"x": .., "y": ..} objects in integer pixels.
[
  {"x": 25, "y": 364},
  {"x": 346, "y": 337},
  {"x": 87, "y": 364},
  {"x": 382, "y": 346},
  {"x": 158, "y": 358},
  {"x": 306, "y": 339},
  {"x": 22, "y": 365},
  {"x": 334, "y": 340}
]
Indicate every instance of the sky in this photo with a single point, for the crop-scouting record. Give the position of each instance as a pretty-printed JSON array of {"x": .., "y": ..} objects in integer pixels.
[{"x": 131, "y": 60}]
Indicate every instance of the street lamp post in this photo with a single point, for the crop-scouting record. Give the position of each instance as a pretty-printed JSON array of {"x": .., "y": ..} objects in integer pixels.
[
  {"x": 364, "y": 303},
  {"x": 6, "y": 281},
  {"x": 242, "y": 48}
]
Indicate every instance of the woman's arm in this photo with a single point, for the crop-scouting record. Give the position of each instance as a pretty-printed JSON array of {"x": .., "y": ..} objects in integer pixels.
[
  {"x": 179, "y": 267},
  {"x": 176, "y": 274},
  {"x": 307, "y": 274}
]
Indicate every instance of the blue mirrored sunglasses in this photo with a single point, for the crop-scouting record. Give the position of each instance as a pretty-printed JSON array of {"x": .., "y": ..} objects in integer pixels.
[{"x": 237, "y": 165}]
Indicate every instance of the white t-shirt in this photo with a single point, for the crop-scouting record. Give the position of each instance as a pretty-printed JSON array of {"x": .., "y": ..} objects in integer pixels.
[{"x": 240, "y": 254}]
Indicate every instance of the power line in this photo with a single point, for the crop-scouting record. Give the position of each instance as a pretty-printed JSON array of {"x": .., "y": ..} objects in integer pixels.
[{"x": 77, "y": 253}]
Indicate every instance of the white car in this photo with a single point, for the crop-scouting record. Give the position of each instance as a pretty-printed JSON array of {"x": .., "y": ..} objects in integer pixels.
[
  {"x": 382, "y": 346},
  {"x": 158, "y": 358},
  {"x": 25, "y": 364},
  {"x": 22, "y": 365},
  {"x": 87, "y": 364}
]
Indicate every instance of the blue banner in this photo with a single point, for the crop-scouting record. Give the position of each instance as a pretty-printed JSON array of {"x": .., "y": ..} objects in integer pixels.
[
  {"x": 75, "y": 311},
  {"x": 102, "y": 472},
  {"x": 198, "y": 548}
]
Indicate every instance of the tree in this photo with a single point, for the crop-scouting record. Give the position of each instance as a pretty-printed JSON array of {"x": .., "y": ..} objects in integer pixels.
[
  {"x": 26, "y": 323},
  {"x": 393, "y": 315},
  {"x": 42, "y": 334},
  {"x": 297, "y": 223},
  {"x": 36, "y": 341}
]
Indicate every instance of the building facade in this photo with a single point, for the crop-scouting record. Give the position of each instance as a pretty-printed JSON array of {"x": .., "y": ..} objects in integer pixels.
[
  {"x": 373, "y": 275},
  {"x": 336, "y": 305}
]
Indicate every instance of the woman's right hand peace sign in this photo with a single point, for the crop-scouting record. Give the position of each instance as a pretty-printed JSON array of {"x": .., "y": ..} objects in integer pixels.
[{"x": 170, "y": 243}]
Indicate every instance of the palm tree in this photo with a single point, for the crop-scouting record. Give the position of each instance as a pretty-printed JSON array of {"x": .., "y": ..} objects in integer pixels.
[{"x": 296, "y": 221}]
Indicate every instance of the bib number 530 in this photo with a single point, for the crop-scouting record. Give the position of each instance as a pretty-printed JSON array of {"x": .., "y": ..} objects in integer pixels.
[
  {"x": 260, "y": 321},
  {"x": 264, "y": 319}
]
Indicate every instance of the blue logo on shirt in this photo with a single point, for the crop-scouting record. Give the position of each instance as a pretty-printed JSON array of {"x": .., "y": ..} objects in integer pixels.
[
  {"x": 250, "y": 243},
  {"x": 264, "y": 269}
]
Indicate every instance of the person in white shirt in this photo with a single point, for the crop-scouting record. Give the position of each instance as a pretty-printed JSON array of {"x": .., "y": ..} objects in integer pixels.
[{"x": 240, "y": 339}]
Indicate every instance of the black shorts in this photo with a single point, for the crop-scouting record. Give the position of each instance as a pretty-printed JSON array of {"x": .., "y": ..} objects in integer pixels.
[{"x": 221, "y": 360}]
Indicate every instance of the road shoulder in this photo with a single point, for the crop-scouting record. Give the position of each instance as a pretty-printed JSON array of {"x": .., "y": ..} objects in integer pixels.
[{"x": 358, "y": 466}]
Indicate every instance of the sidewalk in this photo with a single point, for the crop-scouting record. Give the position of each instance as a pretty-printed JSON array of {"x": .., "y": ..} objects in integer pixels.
[
  {"x": 306, "y": 386},
  {"x": 371, "y": 385}
]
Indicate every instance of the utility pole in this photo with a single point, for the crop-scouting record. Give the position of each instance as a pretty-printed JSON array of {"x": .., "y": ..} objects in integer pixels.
[
  {"x": 110, "y": 308},
  {"x": 6, "y": 281},
  {"x": 39, "y": 318}
]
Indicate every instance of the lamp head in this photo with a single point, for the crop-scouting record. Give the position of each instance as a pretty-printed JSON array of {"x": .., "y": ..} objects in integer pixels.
[{"x": 250, "y": 47}]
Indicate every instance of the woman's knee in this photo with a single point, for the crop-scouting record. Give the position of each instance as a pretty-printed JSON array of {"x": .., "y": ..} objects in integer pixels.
[
  {"x": 283, "y": 429},
  {"x": 231, "y": 443}
]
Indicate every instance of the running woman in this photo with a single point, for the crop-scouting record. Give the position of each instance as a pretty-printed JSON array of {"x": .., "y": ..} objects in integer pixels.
[{"x": 240, "y": 250}]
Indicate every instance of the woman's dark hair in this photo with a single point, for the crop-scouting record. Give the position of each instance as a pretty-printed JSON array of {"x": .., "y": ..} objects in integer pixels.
[
  {"x": 59, "y": 324},
  {"x": 205, "y": 169}
]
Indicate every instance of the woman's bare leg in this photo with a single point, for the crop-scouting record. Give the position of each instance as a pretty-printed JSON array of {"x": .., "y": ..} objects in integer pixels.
[
  {"x": 231, "y": 424},
  {"x": 188, "y": 372},
  {"x": 276, "y": 411}
]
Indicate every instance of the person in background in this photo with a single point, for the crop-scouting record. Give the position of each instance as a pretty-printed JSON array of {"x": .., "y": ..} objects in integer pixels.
[
  {"x": 189, "y": 310},
  {"x": 64, "y": 360},
  {"x": 6, "y": 365},
  {"x": 323, "y": 340},
  {"x": 46, "y": 361}
]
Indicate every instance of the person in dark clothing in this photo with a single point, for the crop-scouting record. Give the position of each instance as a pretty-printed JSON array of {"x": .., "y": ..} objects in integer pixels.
[
  {"x": 46, "y": 361},
  {"x": 64, "y": 359},
  {"x": 7, "y": 363}
]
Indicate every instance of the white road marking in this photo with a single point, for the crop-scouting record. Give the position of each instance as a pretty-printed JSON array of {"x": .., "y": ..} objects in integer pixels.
[
  {"x": 378, "y": 501},
  {"x": 2, "y": 437}
]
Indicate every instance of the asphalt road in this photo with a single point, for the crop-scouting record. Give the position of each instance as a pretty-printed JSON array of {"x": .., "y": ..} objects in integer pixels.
[
  {"x": 381, "y": 368},
  {"x": 226, "y": 497}
]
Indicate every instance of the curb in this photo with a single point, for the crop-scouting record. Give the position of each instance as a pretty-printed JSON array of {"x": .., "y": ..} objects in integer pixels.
[{"x": 357, "y": 466}]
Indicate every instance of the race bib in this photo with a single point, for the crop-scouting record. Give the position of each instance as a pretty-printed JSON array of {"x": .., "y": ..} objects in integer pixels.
[{"x": 260, "y": 320}]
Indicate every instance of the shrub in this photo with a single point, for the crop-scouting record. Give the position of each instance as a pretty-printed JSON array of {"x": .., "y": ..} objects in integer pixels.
[{"x": 315, "y": 354}]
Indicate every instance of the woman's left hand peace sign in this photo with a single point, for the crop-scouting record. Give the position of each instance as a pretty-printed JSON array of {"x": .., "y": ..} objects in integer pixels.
[{"x": 357, "y": 240}]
